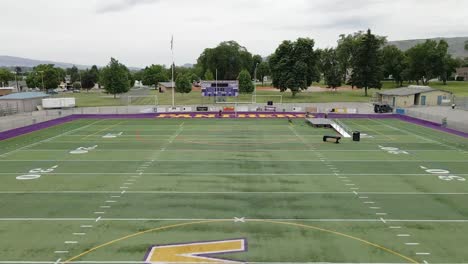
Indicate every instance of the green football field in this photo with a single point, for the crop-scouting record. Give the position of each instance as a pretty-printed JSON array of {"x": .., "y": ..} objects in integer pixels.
[{"x": 255, "y": 190}]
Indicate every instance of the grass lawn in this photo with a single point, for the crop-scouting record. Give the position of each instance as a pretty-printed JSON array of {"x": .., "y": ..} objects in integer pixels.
[
  {"x": 69, "y": 195},
  {"x": 98, "y": 98}
]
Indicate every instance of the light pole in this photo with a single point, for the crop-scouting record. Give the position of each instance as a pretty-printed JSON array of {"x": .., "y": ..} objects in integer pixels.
[
  {"x": 81, "y": 82},
  {"x": 216, "y": 87},
  {"x": 255, "y": 82},
  {"x": 16, "y": 80}
]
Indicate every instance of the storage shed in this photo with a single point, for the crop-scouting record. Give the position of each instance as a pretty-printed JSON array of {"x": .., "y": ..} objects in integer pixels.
[
  {"x": 21, "y": 102},
  {"x": 414, "y": 96}
]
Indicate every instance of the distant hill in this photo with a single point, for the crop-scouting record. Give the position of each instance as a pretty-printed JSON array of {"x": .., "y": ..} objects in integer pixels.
[
  {"x": 10, "y": 61},
  {"x": 456, "y": 45}
]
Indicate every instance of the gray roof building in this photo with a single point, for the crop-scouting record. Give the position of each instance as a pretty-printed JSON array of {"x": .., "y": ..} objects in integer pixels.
[
  {"x": 414, "y": 95},
  {"x": 410, "y": 90},
  {"x": 21, "y": 102},
  {"x": 166, "y": 84},
  {"x": 26, "y": 95}
]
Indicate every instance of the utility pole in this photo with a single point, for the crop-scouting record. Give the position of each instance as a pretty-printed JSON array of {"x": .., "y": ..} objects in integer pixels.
[
  {"x": 16, "y": 80},
  {"x": 81, "y": 82},
  {"x": 255, "y": 82},
  {"x": 216, "y": 85},
  {"x": 173, "y": 64}
]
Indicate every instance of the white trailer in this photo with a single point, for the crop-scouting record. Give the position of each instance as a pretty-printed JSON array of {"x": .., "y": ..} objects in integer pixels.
[{"x": 51, "y": 103}]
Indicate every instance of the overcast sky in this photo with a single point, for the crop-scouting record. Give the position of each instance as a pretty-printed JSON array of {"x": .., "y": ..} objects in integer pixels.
[{"x": 138, "y": 32}]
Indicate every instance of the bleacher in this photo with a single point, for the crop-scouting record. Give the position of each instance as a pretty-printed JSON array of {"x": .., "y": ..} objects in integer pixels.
[{"x": 327, "y": 123}]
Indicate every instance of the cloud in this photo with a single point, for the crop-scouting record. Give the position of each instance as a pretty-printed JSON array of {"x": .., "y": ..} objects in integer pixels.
[
  {"x": 345, "y": 23},
  {"x": 109, "y": 6}
]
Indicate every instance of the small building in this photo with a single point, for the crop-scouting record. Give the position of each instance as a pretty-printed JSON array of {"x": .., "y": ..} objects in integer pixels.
[
  {"x": 463, "y": 73},
  {"x": 21, "y": 102},
  {"x": 165, "y": 86},
  {"x": 6, "y": 90},
  {"x": 413, "y": 96}
]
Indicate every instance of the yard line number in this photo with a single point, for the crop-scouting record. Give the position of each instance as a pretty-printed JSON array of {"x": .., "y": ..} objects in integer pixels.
[
  {"x": 83, "y": 150},
  {"x": 444, "y": 175},
  {"x": 393, "y": 150},
  {"x": 36, "y": 173}
]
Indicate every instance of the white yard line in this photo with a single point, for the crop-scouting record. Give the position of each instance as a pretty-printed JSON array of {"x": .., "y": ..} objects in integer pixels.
[
  {"x": 238, "y": 160},
  {"x": 242, "y": 151},
  {"x": 236, "y": 174},
  {"x": 247, "y": 219},
  {"x": 221, "y": 192}
]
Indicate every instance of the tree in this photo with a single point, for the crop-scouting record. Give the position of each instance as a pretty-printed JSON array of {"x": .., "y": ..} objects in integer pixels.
[
  {"x": 427, "y": 60},
  {"x": 466, "y": 45},
  {"x": 256, "y": 59},
  {"x": 90, "y": 77},
  {"x": 229, "y": 58},
  {"x": 74, "y": 74},
  {"x": 131, "y": 79},
  {"x": 115, "y": 78},
  {"x": 245, "y": 82},
  {"x": 331, "y": 68},
  {"x": 209, "y": 76},
  {"x": 464, "y": 62},
  {"x": 183, "y": 84},
  {"x": 294, "y": 65},
  {"x": 366, "y": 63},
  {"x": 346, "y": 49},
  {"x": 449, "y": 66},
  {"x": 76, "y": 86},
  {"x": 94, "y": 74},
  {"x": 263, "y": 70},
  {"x": 45, "y": 75},
  {"x": 194, "y": 78},
  {"x": 6, "y": 76},
  {"x": 87, "y": 79},
  {"x": 394, "y": 63},
  {"x": 154, "y": 74},
  {"x": 138, "y": 75}
]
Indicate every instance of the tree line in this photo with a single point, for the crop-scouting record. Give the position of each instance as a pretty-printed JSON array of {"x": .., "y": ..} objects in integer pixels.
[{"x": 361, "y": 59}]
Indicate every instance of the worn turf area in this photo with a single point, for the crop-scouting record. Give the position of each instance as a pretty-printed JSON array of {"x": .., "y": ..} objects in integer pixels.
[{"x": 399, "y": 195}]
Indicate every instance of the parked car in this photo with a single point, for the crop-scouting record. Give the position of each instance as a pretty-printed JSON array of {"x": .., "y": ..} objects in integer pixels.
[
  {"x": 382, "y": 108},
  {"x": 52, "y": 91}
]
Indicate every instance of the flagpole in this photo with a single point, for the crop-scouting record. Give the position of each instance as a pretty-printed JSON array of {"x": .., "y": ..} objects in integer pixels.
[{"x": 172, "y": 66}]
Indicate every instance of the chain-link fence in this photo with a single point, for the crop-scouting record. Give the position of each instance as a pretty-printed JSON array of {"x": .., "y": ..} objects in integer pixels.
[
  {"x": 444, "y": 119},
  {"x": 461, "y": 103},
  {"x": 25, "y": 119}
]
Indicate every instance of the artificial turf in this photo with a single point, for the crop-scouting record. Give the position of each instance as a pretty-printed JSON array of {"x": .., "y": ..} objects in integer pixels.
[{"x": 293, "y": 197}]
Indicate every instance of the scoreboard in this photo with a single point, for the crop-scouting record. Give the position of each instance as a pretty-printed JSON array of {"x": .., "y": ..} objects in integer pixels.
[{"x": 220, "y": 88}]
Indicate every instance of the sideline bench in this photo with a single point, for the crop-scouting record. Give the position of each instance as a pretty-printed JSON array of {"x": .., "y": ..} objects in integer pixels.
[{"x": 336, "y": 138}]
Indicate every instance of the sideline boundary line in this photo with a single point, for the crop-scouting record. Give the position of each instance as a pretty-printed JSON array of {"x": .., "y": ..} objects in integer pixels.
[
  {"x": 49, "y": 139},
  {"x": 376, "y": 220},
  {"x": 228, "y": 192}
]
